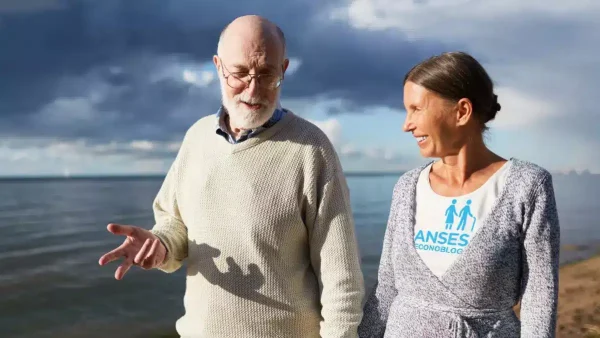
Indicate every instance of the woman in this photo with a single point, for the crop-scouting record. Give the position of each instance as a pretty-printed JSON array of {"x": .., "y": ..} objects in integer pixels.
[{"x": 461, "y": 275}]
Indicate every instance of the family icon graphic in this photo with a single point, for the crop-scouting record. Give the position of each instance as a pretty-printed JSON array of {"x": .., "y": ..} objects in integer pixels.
[{"x": 464, "y": 214}]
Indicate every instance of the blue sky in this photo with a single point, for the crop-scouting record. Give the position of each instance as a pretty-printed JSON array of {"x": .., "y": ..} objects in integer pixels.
[{"x": 109, "y": 87}]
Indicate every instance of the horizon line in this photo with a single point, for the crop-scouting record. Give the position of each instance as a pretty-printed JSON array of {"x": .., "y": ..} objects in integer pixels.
[
  {"x": 157, "y": 175},
  {"x": 365, "y": 173}
]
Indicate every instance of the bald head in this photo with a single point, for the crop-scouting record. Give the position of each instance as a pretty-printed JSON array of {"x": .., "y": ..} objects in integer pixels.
[{"x": 253, "y": 30}]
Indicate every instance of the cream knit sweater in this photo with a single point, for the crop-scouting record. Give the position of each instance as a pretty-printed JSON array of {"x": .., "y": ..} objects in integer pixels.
[{"x": 267, "y": 231}]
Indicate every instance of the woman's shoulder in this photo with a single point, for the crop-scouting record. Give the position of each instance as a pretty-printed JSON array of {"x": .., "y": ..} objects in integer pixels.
[
  {"x": 408, "y": 179},
  {"x": 412, "y": 175},
  {"x": 526, "y": 180},
  {"x": 529, "y": 172}
]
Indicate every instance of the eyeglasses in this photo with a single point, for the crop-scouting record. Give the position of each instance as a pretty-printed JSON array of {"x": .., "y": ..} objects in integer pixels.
[{"x": 239, "y": 80}]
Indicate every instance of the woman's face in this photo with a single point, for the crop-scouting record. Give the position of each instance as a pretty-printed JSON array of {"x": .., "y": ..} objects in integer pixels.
[{"x": 432, "y": 120}]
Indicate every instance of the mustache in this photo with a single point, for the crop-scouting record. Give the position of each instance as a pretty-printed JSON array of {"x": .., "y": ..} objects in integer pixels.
[{"x": 251, "y": 100}]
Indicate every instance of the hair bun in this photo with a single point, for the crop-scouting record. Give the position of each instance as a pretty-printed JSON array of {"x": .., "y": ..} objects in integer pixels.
[
  {"x": 494, "y": 109},
  {"x": 496, "y": 106}
]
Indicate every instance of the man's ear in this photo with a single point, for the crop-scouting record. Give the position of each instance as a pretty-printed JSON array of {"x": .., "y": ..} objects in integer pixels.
[
  {"x": 216, "y": 61},
  {"x": 464, "y": 111},
  {"x": 286, "y": 63}
]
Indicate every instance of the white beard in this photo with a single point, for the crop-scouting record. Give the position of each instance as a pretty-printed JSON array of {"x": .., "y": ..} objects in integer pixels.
[{"x": 242, "y": 117}]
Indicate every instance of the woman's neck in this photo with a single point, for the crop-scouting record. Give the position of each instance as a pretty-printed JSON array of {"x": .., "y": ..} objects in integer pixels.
[{"x": 472, "y": 158}]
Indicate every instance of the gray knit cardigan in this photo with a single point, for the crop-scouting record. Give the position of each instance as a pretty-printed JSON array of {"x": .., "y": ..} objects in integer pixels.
[{"x": 514, "y": 256}]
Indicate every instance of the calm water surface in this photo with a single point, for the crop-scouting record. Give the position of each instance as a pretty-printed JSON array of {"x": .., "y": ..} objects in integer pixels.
[{"x": 52, "y": 233}]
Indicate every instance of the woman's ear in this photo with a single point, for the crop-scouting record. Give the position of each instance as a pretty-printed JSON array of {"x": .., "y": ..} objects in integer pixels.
[{"x": 464, "y": 111}]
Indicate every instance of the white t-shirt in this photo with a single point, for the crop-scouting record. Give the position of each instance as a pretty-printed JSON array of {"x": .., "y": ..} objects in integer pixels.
[{"x": 445, "y": 225}]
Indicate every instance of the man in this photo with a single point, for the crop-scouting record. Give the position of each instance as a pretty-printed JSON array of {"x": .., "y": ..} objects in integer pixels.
[{"x": 259, "y": 208}]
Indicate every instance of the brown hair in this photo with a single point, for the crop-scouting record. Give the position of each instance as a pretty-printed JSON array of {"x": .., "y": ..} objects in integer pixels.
[{"x": 457, "y": 75}]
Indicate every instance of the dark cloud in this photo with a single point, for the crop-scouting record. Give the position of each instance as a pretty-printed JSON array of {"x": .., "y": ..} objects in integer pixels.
[
  {"x": 139, "y": 98},
  {"x": 23, "y": 6},
  {"x": 57, "y": 59},
  {"x": 363, "y": 68}
]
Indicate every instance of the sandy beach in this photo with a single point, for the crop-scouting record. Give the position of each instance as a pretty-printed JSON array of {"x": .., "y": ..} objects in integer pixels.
[{"x": 579, "y": 299}]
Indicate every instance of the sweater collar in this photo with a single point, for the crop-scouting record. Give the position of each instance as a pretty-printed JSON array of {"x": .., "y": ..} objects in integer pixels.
[{"x": 221, "y": 125}]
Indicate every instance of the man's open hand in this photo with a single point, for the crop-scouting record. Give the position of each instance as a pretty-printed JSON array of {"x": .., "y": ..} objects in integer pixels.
[{"x": 141, "y": 248}]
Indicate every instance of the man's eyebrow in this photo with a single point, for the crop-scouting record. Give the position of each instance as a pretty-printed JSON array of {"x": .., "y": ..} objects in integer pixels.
[
  {"x": 238, "y": 66},
  {"x": 243, "y": 68}
]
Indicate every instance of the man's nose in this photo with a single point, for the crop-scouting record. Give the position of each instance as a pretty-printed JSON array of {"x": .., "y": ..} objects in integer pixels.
[{"x": 253, "y": 86}]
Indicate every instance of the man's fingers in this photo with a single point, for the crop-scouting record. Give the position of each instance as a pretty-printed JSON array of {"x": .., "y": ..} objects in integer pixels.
[
  {"x": 123, "y": 268},
  {"x": 142, "y": 253},
  {"x": 150, "y": 259},
  {"x": 118, "y": 229},
  {"x": 113, "y": 255}
]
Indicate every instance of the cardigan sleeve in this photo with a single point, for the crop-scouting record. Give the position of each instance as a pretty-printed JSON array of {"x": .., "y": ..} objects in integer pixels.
[
  {"x": 540, "y": 264},
  {"x": 378, "y": 303}
]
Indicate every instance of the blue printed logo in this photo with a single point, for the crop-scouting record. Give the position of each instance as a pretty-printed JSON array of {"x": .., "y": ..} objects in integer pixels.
[
  {"x": 464, "y": 214},
  {"x": 449, "y": 241},
  {"x": 450, "y": 213}
]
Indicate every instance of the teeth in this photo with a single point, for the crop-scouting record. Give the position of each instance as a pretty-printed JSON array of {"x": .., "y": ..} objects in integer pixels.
[{"x": 422, "y": 138}]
